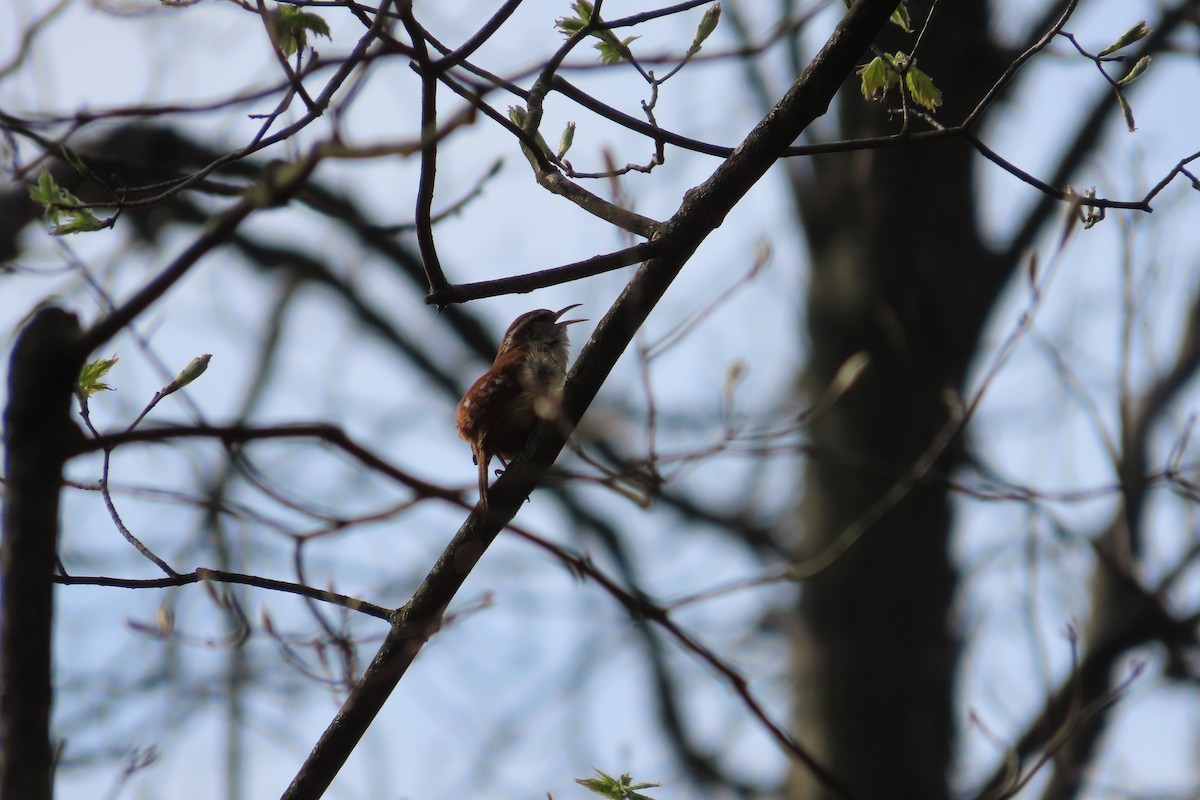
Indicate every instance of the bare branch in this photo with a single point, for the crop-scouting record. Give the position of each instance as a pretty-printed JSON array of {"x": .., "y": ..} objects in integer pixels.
[
  {"x": 201, "y": 574},
  {"x": 244, "y": 433}
]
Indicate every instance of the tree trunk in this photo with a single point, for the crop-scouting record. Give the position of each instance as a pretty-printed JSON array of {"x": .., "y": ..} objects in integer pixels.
[
  {"x": 38, "y": 437},
  {"x": 900, "y": 272}
]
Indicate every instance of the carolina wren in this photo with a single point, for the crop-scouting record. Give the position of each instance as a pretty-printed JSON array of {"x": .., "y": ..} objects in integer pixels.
[{"x": 523, "y": 385}]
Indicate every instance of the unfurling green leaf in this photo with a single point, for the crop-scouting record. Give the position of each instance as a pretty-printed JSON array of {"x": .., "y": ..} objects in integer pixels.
[
  {"x": 884, "y": 71},
  {"x": 920, "y": 86},
  {"x": 901, "y": 18},
  {"x": 79, "y": 221},
  {"x": 584, "y": 9},
  {"x": 622, "y": 788},
  {"x": 564, "y": 141},
  {"x": 1136, "y": 33},
  {"x": 708, "y": 24},
  {"x": 89, "y": 377},
  {"x": 612, "y": 50},
  {"x": 877, "y": 77},
  {"x": 1136, "y": 72},
  {"x": 571, "y": 25},
  {"x": 62, "y": 211},
  {"x": 290, "y": 28}
]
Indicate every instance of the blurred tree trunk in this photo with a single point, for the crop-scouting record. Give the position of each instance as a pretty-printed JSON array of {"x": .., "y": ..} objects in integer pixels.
[
  {"x": 900, "y": 271},
  {"x": 38, "y": 438}
]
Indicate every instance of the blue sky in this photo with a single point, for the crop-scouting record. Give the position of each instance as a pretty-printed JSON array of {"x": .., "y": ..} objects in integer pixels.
[{"x": 541, "y": 679}]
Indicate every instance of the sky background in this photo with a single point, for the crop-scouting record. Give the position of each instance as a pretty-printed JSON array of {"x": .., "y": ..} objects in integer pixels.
[{"x": 540, "y": 677}]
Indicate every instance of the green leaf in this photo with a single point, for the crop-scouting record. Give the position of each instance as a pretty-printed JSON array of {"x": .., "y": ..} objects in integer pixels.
[
  {"x": 610, "y": 51},
  {"x": 1136, "y": 72},
  {"x": 884, "y": 71},
  {"x": 920, "y": 86},
  {"x": 901, "y": 18},
  {"x": 622, "y": 788},
  {"x": 317, "y": 25},
  {"x": 877, "y": 77},
  {"x": 584, "y": 9},
  {"x": 1134, "y": 34},
  {"x": 61, "y": 208},
  {"x": 89, "y": 377},
  {"x": 290, "y": 27},
  {"x": 571, "y": 25},
  {"x": 46, "y": 191},
  {"x": 80, "y": 221}
]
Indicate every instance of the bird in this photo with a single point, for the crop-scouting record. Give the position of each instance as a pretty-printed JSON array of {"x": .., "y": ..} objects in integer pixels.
[{"x": 522, "y": 386}]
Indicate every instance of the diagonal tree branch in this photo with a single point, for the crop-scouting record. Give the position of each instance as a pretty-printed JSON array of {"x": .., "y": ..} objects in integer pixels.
[{"x": 703, "y": 210}]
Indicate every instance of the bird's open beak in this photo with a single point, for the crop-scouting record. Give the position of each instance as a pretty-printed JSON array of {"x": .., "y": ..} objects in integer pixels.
[{"x": 558, "y": 314}]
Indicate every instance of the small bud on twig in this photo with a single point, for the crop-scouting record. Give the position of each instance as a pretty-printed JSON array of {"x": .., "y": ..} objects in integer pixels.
[{"x": 193, "y": 370}]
